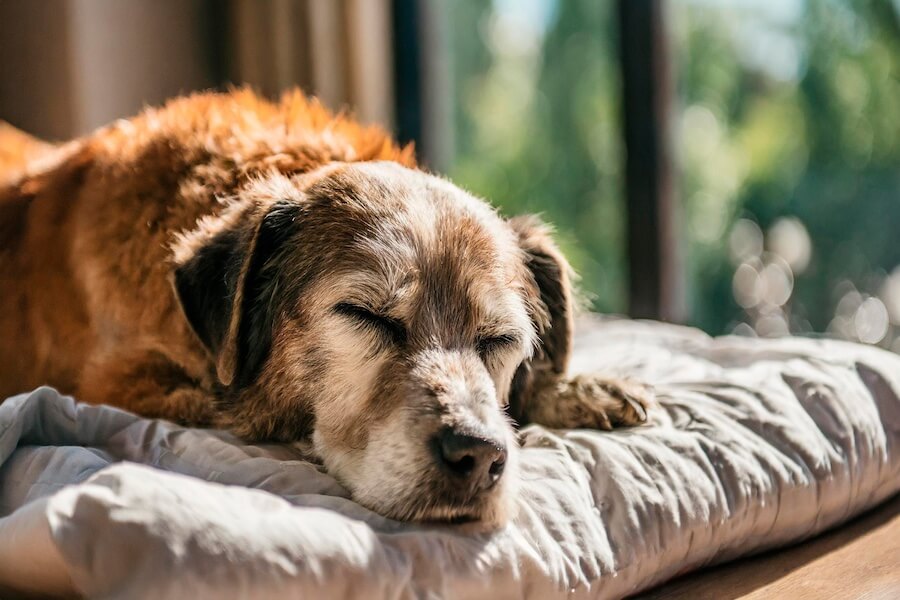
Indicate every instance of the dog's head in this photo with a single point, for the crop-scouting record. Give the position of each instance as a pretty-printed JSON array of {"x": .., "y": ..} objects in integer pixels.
[{"x": 389, "y": 316}]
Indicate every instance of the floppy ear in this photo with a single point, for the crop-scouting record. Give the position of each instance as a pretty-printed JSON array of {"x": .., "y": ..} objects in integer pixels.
[
  {"x": 552, "y": 308},
  {"x": 227, "y": 290}
]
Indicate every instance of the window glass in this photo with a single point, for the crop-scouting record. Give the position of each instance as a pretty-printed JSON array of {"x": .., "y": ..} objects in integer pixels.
[
  {"x": 789, "y": 142},
  {"x": 787, "y": 136},
  {"x": 537, "y": 130}
]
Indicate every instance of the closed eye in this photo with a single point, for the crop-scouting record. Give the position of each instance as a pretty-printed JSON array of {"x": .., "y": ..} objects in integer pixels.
[
  {"x": 388, "y": 327},
  {"x": 492, "y": 344}
]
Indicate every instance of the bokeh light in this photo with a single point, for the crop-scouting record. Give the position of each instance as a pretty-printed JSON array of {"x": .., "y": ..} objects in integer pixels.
[{"x": 787, "y": 142}]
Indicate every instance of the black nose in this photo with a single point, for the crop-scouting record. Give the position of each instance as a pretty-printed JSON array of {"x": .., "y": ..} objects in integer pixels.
[{"x": 477, "y": 460}]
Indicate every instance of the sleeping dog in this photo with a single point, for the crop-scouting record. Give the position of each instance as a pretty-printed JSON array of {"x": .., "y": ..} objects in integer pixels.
[{"x": 291, "y": 275}]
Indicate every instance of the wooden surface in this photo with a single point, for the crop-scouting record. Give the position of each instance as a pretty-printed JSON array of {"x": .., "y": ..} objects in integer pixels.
[{"x": 859, "y": 560}]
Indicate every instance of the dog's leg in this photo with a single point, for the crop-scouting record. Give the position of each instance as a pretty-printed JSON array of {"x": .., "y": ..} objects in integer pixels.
[
  {"x": 540, "y": 392},
  {"x": 585, "y": 401},
  {"x": 149, "y": 384}
]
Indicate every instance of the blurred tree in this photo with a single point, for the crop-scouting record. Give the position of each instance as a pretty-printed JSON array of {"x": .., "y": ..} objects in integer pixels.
[
  {"x": 538, "y": 125},
  {"x": 817, "y": 141},
  {"x": 789, "y": 119}
]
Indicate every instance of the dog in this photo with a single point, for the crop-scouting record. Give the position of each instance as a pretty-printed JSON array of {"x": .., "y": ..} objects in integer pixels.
[{"x": 289, "y": 274}]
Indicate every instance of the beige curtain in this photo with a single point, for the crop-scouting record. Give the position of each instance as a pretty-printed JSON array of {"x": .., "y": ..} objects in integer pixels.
[
  {"x": 338, "y": 50},
  {"x": 68, "y": 66}
]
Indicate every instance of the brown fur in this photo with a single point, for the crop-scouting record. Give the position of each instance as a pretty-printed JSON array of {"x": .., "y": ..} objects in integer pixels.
[
  {"x": 85, "y": 251},
  {"x": 207, "y": 262}
]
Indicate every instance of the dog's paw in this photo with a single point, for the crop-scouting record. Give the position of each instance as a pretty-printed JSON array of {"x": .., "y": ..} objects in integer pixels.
[
  {"x": 187, "y": 406},
  {"x": 587, "y": 401}
]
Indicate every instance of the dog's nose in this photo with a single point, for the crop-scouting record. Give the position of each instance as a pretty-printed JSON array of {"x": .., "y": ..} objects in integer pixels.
[{"x": 477, "y": 460}]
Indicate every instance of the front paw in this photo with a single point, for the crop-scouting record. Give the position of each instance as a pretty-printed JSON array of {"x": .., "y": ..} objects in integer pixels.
[{"x": 597, "y": 403}]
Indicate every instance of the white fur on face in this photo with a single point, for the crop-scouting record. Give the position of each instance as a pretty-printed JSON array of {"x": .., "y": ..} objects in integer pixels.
[
  {"x": 378, "y": 438},
  {"x": 354, "y": 367},
  {"x": 392, "y": 469},
  {"x": 395, "y": 476}
]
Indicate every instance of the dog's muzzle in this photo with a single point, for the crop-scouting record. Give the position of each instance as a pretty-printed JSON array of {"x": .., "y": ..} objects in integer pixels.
[{"x": 471, "y": 461}]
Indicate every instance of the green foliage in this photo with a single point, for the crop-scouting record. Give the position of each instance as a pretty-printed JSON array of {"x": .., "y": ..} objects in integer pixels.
[
  {"x": 780, "y": 114},
  {"x": 538, "y": 127},
  {"x": 821, "y": 146}
]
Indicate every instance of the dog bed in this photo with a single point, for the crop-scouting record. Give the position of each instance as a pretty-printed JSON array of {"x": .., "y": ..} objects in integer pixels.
[{"x": 755, "y": 444}]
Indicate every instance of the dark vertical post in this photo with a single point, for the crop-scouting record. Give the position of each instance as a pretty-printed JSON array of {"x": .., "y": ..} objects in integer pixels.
[
  {"x": 422, "y": 83},
  {"x": 217, "y": 30},
  {"x": 655, "y": 285},
  {"x": 408, "y": 97}
]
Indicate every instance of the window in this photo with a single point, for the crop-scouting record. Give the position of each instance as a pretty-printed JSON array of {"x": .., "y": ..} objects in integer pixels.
[
  {"x": 787, "y": 142},
  {"x": 537, "y": 124}
]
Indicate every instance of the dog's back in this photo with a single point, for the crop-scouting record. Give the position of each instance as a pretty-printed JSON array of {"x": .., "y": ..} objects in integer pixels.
[
  {"x": 18, "y": 150},
  {"x": 40, "y": 309},
  {"x": 86, "y": 231}
]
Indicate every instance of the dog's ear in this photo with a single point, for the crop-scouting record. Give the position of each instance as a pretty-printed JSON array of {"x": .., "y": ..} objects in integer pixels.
[
  {"x": 227, "y": 289},
  {"x": 552, "y": 308}
]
